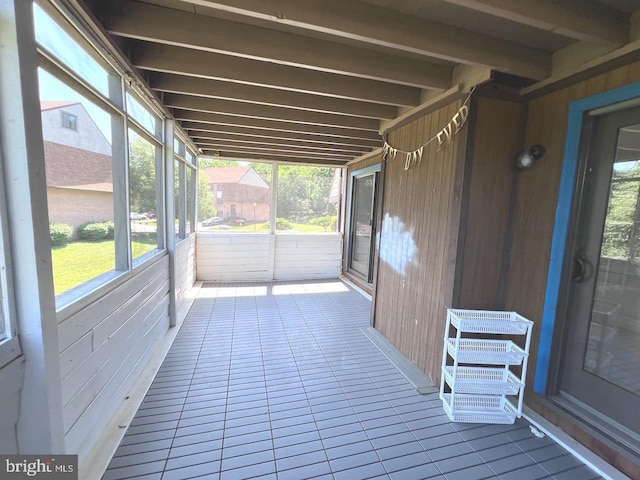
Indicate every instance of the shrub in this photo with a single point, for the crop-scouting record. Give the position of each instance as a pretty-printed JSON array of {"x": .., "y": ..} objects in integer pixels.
[
  {"x": 325, "y": 222},
  {"x": 281, "y": 224},
  {"x": 95, "y": 231},
  {"x": 60, "y": 233}
]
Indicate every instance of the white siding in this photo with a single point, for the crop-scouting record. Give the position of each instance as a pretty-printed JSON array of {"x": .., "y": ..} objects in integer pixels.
[
  {"x": 11, "y": 379},
  {"x": 225, "y": 257},
  {"x": 103, "y": 349},
  {"x": 87, "y": 137},
  {"x": 307, "y": 256},
  {"x": 185, "y": 268}
]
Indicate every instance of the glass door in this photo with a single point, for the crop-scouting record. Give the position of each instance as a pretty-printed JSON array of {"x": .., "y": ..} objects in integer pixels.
[
  {"x": 601, "y": 359},
  {"x": 362, "y": 224}
]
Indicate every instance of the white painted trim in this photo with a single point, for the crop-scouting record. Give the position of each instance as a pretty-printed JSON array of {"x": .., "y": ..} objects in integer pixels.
[
  {"x": 72, "y": 301},
  {"x": 572, "y": 446},
  {"x": 40, "y": 426},
  {"x": 97, "y": 461},
  {"x": 168, "y": 212}
]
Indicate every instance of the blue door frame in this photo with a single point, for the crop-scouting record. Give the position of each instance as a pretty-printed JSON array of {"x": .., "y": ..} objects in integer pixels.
[{"x": 577, "y": 111}]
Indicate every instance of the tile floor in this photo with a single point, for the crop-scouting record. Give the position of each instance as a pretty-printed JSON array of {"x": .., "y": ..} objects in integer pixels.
[{"x": 277, "y": 381}]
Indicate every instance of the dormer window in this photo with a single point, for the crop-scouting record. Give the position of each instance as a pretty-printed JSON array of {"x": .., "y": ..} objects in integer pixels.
[{"x": 70, "y": 121}]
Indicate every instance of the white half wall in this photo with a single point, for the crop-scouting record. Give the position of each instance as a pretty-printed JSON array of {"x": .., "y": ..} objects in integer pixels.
[
  {"x": 103, "y": 349},
  {"x": 245, "y": 257},
  {"x": 11, "y": 380},
  {"x": 307, "y": 256},
  {"x": 228, "y": 257},
  {"x": 185, "y": 268}
]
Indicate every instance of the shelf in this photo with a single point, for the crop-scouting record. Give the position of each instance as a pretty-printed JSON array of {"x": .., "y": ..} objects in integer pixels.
[
  {"x": 483, "y": 347},
  {"x": 479, "y": 409},
  {"x": 486, "y": 352},
  {"x": 484, "y": 321},
  {"x": 478, "y": 380}
]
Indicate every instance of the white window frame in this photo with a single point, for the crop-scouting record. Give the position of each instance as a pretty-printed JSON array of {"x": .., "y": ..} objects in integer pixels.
[
  {"x": 9, "y": 342},
  {"x": 114, "y": 103},
  {"x": 186, "y": 170}
]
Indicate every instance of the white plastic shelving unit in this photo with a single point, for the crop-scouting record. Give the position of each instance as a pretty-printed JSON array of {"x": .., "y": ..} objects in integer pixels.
[{"x": 476, "y": 371}]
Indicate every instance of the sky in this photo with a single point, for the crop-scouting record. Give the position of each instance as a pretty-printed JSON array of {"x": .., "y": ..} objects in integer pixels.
[{"x": 55, "y": 40}]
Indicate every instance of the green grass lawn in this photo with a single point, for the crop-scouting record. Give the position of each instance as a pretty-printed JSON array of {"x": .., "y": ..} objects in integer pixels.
[
  {"x": 262, "y": 228},
  {"x": 77, "y": 262}
]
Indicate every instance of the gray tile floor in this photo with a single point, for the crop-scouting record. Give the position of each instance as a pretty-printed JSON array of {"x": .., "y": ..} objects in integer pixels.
[{"x": 277, "y": 381}]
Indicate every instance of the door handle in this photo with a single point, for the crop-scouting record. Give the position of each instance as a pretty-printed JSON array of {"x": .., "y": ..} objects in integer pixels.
[{"x": 580, "y": 269}]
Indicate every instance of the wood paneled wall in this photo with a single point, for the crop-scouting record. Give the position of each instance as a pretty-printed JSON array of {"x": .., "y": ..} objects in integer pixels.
[
  {"x": 534, "y": 215},
  {"x": 495, "y": 140},
  {"x": 418, "y": 240},
  {"x": 535, "y": 203}
]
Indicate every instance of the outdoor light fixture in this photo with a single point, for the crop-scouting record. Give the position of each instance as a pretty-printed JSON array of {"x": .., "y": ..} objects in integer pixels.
[{"x": 527, "y": 158}]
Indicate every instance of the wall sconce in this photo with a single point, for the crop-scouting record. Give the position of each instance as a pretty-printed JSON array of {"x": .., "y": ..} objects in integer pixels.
[{"x": 527, "y": 158}]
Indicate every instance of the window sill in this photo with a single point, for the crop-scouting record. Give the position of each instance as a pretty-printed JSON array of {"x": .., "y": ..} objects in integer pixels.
[
  {"x": 9, "y": 350},
  {"x": 75, "y": 299}
]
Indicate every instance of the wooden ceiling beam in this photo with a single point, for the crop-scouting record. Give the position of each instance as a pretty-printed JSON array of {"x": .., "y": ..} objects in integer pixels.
[
  {"x": 257, "y": 125},
  {"x": 257, "y": 141},
  {"x": 185, "y": 61},
  {"x": 250, "y": 111},
  {"x": 195, "y": 128},
  {"x": 579, "y": 19},
  {"x": 164, "y": 82},
  {"x": 173, "y": 27},
  {"x": 363, "y": 22}
]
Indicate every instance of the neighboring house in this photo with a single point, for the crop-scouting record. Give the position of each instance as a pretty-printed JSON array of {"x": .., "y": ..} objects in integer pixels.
[
  {"x": 78, "y": 165},
  {"x": 239, "y": 192}
]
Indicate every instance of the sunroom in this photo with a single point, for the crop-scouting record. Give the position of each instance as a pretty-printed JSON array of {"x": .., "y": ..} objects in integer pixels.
[{"x": 201, "y": 197}]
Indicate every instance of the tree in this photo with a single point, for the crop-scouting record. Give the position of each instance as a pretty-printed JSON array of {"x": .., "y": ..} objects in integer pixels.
[
  {"x": 325, "y": 222},
  {"x": 620, "y": 237},
  {"x": 303, "y": 192},
  {"x": 142, "y": 175},
  {"x": 206, "y": 207}
]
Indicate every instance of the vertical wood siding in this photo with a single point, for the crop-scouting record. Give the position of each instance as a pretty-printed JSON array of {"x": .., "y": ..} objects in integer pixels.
[
  {"x": 534, "y": 211},
  {"x": 104, "y": 348},
  {"x": 534, "y": 216},
  {"x": 418, "y": 239},
  {"x": 494, "y": 145}
]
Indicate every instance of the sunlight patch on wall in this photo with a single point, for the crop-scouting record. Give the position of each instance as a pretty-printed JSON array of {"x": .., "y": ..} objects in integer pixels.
[{"x": 397, "y": 247}]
